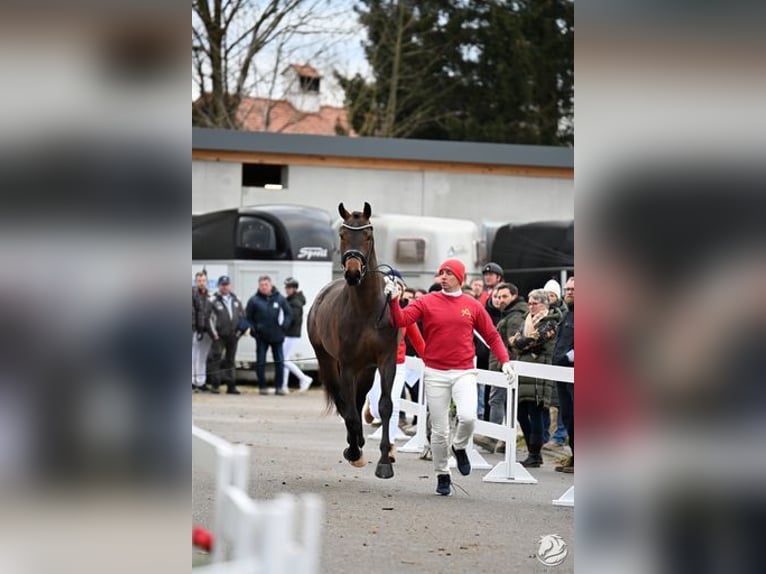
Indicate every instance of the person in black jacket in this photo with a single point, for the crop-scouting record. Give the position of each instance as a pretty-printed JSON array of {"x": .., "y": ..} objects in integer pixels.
[
  {"x": 201, "y": 340},
  {"x": 500, "y": 297},
  {"x": 269, "y": 316},
  {"x": 563, "y": 355},
  {"x": 226, "y": 326},
  {"x": 297, "y": 301}
]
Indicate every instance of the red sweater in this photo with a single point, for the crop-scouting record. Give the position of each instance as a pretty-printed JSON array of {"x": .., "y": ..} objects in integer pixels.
[
  {"x": 413, "y": 334},
  {"x": 448, "y": 324}
]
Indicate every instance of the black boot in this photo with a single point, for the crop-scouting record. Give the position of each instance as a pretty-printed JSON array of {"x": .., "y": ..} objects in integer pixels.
[
  {"x": 443, "y": 484},
  {"x": 534, "y": 458}
]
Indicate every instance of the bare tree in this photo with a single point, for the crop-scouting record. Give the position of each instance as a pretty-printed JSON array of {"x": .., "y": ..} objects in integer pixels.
[{"x": 228, "y": 35}]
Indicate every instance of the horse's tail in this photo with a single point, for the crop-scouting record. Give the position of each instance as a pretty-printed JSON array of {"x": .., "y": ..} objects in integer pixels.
[
  {"x": 332, "y": 398},
  {"x": 330, "y": 408}
]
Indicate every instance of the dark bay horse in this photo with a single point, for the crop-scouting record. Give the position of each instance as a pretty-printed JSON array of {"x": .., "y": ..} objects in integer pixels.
[{"x": 349, "y": 328}]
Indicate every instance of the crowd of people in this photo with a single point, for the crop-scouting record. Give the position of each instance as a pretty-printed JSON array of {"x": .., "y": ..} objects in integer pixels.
[
  {"x": 455, "y": 327},
  {"x": 219, "y": 320}
]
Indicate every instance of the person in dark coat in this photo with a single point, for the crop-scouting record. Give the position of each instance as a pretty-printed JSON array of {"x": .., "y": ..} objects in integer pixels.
[
  {"x": 269, "y": 316},
  {"x": 226, "y": 326},
  {"x": 296, "y": 300},
  {"x": 514, "y": 314},
  {"x": 563, "y": 355},
  {"x": 501, "y": 296},
  {"x": 533, "y": 343},
  {"x": 201, "y": 340}
]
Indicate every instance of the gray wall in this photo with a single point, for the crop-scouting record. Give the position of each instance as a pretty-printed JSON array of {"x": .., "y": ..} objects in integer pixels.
[{"x": 217, "y": 185}]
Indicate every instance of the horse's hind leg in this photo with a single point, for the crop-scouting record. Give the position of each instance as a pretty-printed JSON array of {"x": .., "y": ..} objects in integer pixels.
[{"x": 386, "y": 407}]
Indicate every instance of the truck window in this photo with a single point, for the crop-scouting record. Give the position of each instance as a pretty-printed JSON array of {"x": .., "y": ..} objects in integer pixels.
[
  {"x": 410, "y": 250},
  {"x": 257, "y": 234}
]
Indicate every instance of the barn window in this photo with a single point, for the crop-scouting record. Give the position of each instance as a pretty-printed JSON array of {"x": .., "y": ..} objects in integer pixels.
[
  {"x": 264, "y": 175},
  {"x": 309, "y": 84}
]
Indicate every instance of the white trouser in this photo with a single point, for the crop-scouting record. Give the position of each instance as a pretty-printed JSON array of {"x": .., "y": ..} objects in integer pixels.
[
  {"x": 441, "y": 387},
  {"x": 200, "y": 349},
  {"x": 290, "y": 367},
  {"x": 396, "y": 394}
]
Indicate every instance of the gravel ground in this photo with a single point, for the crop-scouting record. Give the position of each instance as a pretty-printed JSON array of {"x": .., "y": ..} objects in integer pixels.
[{"x": 373, "y": 525}]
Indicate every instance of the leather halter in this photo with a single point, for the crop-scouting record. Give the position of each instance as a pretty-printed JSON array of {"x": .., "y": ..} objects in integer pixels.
[{"x": 355, "y": 253}]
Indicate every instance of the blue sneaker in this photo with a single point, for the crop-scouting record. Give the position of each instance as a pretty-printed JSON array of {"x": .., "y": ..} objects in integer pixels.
[
  {"x": 463, "y": 464},
  {"x": 444, "y": 484}
]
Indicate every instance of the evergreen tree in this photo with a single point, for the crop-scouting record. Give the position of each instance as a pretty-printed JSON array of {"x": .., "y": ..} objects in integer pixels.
[{"x": 467, "y": 70}]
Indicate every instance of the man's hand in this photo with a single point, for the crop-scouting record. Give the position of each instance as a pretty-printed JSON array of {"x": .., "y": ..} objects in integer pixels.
[
  {"x": 509, "y": 372},
  {"x": 200, "y": 335},
  {"x": 570, "y": 355},
  {"x": 391, "y": 289}
]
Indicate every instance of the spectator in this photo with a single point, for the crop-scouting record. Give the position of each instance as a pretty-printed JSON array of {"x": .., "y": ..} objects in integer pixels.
[
  {"x": 419, "y": 293},
  {"x": 201, "y": 340},
  {"x": 297, "y": 300},
  {"x": 412, "y": 333},
  {"x": 560, "y": 434},
  {"x": 553, "y": 289},
  {"x": 226, "y": 326},
  {"x": 563, "y": 355},
  {"x": 477, "y": 286},
  {"x": 515, "y": 312},
  {"x": 411, "y": 381},
  {"x": 495, "y": 307},
  {"x": 269, "y": 316},
  {"x": 533, "y": 342},
  {"x": 493, "y": 275},
  {"x": 557, "y": 441},
  {"x": 449, "y": 319}
]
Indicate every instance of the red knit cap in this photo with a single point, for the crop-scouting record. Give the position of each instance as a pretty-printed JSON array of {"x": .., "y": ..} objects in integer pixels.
[{"x": 457, "y": 268}]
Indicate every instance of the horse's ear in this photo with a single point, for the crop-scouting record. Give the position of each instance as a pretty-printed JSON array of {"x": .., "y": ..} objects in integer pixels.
[
  {"x": 343, "y": 213},
  {"x": 367, "y": 210}
]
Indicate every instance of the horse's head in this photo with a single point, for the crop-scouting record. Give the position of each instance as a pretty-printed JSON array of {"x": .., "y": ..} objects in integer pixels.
[{"x": 356, "y": 243}]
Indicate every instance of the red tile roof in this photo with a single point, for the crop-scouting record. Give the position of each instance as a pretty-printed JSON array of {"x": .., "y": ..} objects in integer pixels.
[{"x": 284, "y": 118}]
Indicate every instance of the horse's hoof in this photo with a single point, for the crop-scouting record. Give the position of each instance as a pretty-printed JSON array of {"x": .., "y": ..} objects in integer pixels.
[
  {"x": 384, "y": 470},
  {"x": 360, "y": 463}
]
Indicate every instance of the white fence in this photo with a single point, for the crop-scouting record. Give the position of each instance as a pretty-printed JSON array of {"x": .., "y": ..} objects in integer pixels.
[
  {"x": 278, "y": 536},
  {"x": 508, "y": 470}
]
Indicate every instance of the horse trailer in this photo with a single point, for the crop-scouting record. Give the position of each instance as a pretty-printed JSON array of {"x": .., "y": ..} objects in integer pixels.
[
  {"x": 532, "y": 253},
  {"x": 280, "y": 241},
  {"x": 417, "y": 245}
]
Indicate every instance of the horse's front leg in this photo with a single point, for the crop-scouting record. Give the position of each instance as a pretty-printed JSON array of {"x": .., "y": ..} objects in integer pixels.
[
  {"x": 386, "y": 408},
  {"x": 352, "y": 418}
]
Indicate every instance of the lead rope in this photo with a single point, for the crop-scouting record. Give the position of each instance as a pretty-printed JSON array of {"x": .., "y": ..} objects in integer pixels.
[{"x": 388, "y": 297}]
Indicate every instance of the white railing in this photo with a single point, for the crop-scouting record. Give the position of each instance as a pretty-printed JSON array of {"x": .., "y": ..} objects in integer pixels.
[
  {"x": 253, "y": 537},
  {"x": 509, "y": 470}
]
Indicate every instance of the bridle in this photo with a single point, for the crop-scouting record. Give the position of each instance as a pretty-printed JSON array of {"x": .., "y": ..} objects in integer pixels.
[
  {"x": 355, "y": 253},
  {"x": 363, "y": 259}
]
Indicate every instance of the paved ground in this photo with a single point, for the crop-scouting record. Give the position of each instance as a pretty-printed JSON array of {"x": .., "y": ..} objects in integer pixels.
[{"x": 388, "y": 526}]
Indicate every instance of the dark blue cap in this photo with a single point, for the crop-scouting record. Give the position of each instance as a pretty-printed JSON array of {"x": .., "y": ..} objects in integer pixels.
[{"x": 224, "y": 280}]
